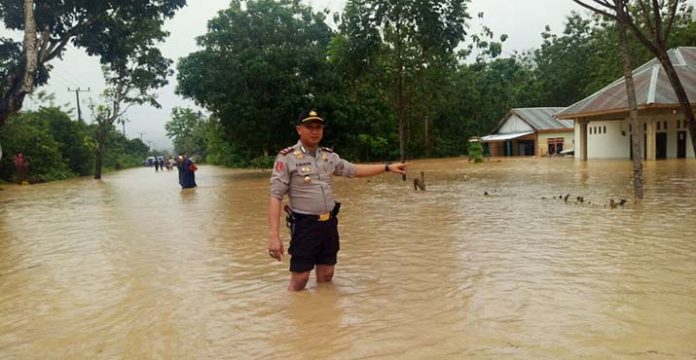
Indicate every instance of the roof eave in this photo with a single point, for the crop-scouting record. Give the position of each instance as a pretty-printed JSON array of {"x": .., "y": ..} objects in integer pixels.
[
  {"x": 616, "y": 111},
  {"x": 548, "y": 131}
]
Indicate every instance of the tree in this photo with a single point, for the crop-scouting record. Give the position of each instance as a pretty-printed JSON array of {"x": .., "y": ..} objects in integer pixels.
[
  {"x": 563, "y": 61},
  {"x": 637, "y": 133},
  {"x": 105, "y": 28},
  {"x": 259, "y": 67},
  {"x": 413, "y": 41},
  {"x": 653, "y": 26},
  {"x": 130, "y": 81},
  {"x": 181, "y": 128}
]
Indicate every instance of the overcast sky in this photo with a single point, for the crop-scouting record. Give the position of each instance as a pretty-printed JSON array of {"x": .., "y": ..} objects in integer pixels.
[{"x": 523, "y": 21}]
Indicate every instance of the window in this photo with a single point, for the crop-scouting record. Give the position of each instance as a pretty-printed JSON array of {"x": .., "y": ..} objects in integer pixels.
[
  {"x": 555, "y": 146},
  {"x": 605, "y": 129},
  {"x": 658, "y": 125}
]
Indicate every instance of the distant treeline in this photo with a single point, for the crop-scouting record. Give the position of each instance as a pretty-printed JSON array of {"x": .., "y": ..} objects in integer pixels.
[{"x": 56, "y": 147}]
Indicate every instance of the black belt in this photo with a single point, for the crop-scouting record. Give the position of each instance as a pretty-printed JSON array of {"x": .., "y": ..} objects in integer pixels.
[{"x": 293, "y": 216}]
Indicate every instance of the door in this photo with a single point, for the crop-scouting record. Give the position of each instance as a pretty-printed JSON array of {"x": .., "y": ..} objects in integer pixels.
[
  {"x": 526, "y": 147},
  {"x": 681, "y": 145},
  {"x": 661, "y": 146}
]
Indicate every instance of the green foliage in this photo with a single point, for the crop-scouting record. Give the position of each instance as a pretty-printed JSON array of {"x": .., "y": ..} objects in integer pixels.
[
  {"x": 373, "y": 146},
  {"x": 262, "y": 162},
  {"x": 29, "y": 133},
  {"x": 406, "y": 52},
  {"x": 475, "y": 151},
  {"x": 181, "y": 127},
  {"x": 57, "y": 147},
  {"x": 220, "y": 151},
  {"x": 122, "y": 152},
  {"x": 260, "y": 66},
  {"x": 69, "y": 135}
]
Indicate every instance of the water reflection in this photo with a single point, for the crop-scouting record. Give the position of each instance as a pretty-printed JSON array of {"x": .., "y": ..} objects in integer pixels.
[{"x": 133, "y": 267}]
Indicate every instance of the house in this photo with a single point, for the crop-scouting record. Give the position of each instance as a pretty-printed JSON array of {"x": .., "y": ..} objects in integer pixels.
[
  {"x": 530, "y": 132},
  {"x": 602, "y": 122}
]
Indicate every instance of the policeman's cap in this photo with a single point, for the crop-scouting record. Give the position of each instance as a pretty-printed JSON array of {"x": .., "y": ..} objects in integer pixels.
[{"x": 309, "y": 116}]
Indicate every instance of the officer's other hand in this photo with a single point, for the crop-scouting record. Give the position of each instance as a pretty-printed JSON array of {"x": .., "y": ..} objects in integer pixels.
[
  {"x": 275, "y": 248},
  {"x": 399, "y": 168}
]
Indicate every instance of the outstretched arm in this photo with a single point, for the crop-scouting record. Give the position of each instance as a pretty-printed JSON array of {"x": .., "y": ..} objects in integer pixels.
[{"x": 371, "y": 170}]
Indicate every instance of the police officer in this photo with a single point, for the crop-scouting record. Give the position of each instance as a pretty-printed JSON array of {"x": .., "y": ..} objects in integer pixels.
[{"x": 303, "y": 172}]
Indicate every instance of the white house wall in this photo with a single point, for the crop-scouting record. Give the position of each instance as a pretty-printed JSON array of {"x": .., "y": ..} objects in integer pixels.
[
  {"x": 514, "y": 125},
  {"x": 605, "y": 140},
  {"x": 611, "y": 139}
]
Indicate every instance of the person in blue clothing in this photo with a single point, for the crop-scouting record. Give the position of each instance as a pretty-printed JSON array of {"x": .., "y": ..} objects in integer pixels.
[{"x": 187, "y": 172}]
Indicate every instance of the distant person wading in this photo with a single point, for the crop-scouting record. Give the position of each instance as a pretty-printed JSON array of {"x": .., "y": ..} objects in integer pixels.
[
  {"x": 187, "y": 172},
  {"x": 303, "y": 172}
]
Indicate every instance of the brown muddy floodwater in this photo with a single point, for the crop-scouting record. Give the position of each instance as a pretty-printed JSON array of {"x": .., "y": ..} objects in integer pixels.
[{"x": 131, "y": 267}]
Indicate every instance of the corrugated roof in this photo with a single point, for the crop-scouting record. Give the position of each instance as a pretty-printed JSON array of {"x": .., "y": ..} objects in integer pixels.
[
  {"x": 503, "y": 137},
  {"x": 653, "y": 88},
  {"x": 541, "y": 118}
]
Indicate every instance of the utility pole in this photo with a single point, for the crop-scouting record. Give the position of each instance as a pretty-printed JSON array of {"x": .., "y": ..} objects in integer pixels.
[
  {"x": 149, "y": 146},
  {"x": 141, "y": 136},
  {"x": 122, "y": 121},
  {"x": 77, "y": 95}
]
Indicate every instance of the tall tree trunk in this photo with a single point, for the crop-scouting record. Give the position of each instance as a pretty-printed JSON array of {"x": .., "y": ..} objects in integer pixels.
[
  {"x": 426, "y": 137},
  {"x": 637, "y": 130},
  {"x": 12, "y": 102},
  {"x": 400, "y": 114},
  {"x": 101, "y": 137},
  {"x": 31, "y": 51},
  {"x": 400, "y": 101},
  {"x": 98, "y": 156},
  {"x": 400, "y": 106}
]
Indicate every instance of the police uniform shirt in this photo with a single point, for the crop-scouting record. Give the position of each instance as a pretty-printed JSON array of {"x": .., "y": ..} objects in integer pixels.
[{"x": 306, "y": 178}]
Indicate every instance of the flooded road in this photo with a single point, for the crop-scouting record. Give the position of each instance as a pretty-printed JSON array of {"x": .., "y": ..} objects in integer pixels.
[{"x": 132, "y": 267}]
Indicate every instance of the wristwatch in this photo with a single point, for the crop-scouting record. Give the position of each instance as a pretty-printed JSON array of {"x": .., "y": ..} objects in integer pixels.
[{"x": 386, "y": 166}]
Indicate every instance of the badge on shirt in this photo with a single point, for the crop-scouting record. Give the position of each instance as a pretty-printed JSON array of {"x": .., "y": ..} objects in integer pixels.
[
  {"x": 279, "y": 166},
  {"x": 298, "y": 154}
]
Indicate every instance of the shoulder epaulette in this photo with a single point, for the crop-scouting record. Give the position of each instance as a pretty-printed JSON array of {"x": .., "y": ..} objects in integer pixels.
[
  {"x": 286, "y": 151},
  {"x": 329, "y": 150}
]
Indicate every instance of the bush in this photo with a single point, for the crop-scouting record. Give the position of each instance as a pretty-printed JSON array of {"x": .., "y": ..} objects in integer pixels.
[
  {"x": 475, "y": 150},
  {"x": 25, "y": 133}
]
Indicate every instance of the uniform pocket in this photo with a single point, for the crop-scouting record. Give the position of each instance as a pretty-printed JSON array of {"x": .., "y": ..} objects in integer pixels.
[
  {"x": 307, "y": 173},
  {"x": 306, "y": 170}
]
